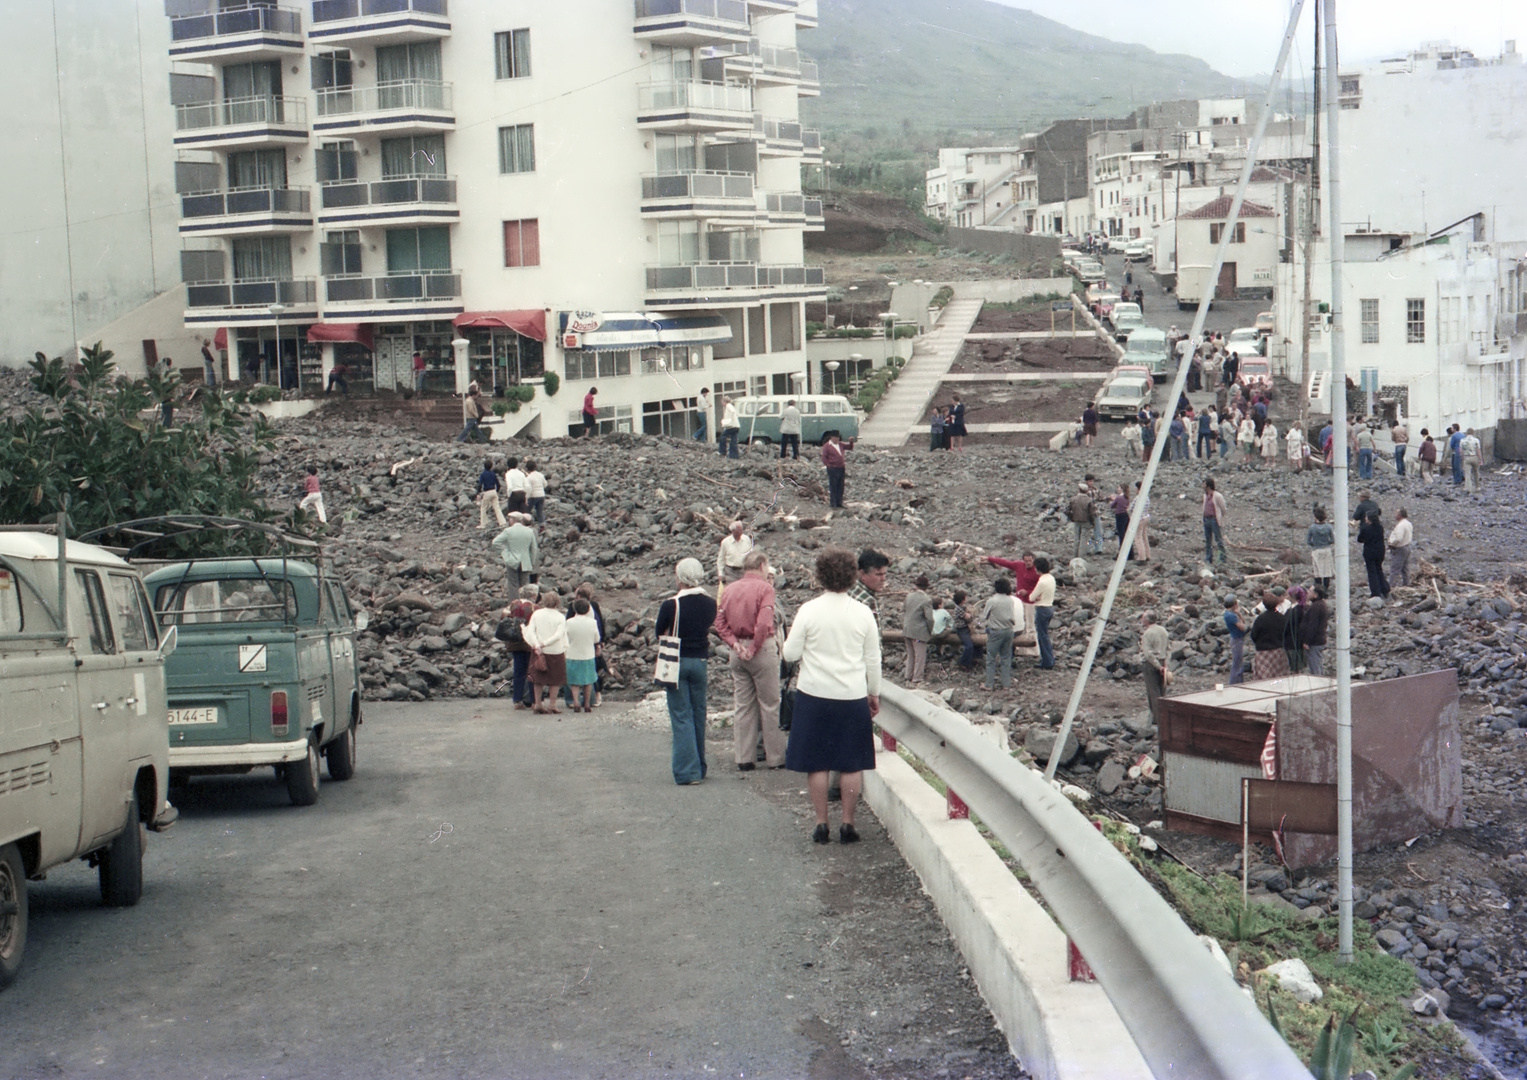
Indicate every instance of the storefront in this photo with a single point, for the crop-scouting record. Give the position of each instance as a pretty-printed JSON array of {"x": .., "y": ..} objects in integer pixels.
[
  {"x": 505, "y": 348},
  {"x": 331, "y": 345}
]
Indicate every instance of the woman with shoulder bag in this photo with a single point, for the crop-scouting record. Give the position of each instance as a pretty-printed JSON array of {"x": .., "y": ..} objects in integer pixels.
[
  {"x": 511, "y": 631},
  {"x": 688, "y": 616},
  {"x": 546, "y": 634}
]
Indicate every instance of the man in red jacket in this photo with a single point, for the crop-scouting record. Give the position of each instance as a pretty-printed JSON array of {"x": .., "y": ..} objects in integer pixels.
[
  {"x": 836, "y": 463},
  {"x": 1025, "y": 578}
]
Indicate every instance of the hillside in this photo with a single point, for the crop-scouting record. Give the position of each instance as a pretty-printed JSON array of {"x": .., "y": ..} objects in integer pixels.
[{"x": 972, "y": 64}]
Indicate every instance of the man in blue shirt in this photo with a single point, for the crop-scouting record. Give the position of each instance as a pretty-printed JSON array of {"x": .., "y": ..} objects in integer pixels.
[
  {"x": 1454, "y": 440},
  {"x": 487, "y": 495}
]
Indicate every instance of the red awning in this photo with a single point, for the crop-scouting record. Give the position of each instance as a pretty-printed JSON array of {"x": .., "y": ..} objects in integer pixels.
[
  {"x": 359, "y": 333},
  {"x": 529, "y": 323},
  {"x": 220, "y": 339}
]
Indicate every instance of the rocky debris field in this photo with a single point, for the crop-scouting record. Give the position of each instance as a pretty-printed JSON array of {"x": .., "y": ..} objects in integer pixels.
[{"x": 624, "y": 509}]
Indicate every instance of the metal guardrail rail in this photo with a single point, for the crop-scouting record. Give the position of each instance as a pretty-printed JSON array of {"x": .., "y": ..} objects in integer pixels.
[{"x": 1186, "y": 1014}]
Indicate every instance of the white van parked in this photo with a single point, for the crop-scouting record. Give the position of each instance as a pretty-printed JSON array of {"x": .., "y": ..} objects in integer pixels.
[{"x": 84, "y": 743}]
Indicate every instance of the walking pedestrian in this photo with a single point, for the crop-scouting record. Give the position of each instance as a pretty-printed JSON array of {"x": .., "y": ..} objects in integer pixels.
[
  {"x": 732, "y": 554},
  {"x": 535, "y": 491},
  {"x": 1179, "y": 436},
  {"x": 955, "y": 427},
  {"x": 1296, "y": 448},
  {"x": 745, "y": 622},
  {"x": 1237, "y": 629},
  {"x": 1003, "y": 619},
  {"x": 1206, "y": 435},
  {"x": 590, "y": 413},
  {"x": 837, "y": 692},
  {"x": 1155, "y": 651},
  {"x": 1120, "y": 507},
  {"x": 1401, "y": 537},
  {"x": 1269, "y": 661},
  {"x": 520, "y": 551},
  {"x": 487, "y": 495},
  {"x": 730, "y": 426},
  {"x": 1320, "y": 538},
  {"x": 1426, "y": 454},
  {"x": 1313, "y": 633},
  {"x": 582, "y": 656},
  {"x": 1227, "y": 433},
  {"x": 1089, "y": 423},
  {"x": 1246, "y": 437},
  {"x": 585, "y": 591},
  {"x": 1148, "y": 428},
  {"x": 702, "y": 415},
  {"x": 1471, "y": 453},
  {"x": 1214, "y": 520},
  {"x": 472, "y": 412},
  {"x": 836, "y": 464},
  {"x": 337, "y": 375},
  {"x": 546, "y": 634},
  {"x": 312, "y": 494},
  {"x": 1043, "y": 598},
  {"x": 1399, "y": 435},
  {"x": 1269, "y": 439},
  {"x": 1454, "y": 439},
  {"x": 917, "y": 629},
  {"x": 790, "y": 431},
  {"x": 1130, "y": 433},
  {"x": 1096, "y": 492},
  {"x": 1371, "y": 537},
  {"x": 688, "y": 615}
]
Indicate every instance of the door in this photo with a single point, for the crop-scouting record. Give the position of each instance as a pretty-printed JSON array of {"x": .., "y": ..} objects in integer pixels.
[
  {"x": 342, "y": 651},
  {"x": 1224, "y": 289},
  {"x": 394, "y": 363},
  {"x": 103, "y": 704},
  {"x": 143, "y": 710}
]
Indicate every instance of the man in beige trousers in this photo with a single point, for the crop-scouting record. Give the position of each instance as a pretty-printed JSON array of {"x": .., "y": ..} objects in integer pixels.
[{"x": 745, "y": 621}]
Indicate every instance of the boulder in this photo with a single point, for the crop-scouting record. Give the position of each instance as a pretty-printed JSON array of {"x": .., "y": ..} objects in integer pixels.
[
  {"x": 1040, "y": 743},
  {"x": 1295, "y": 977}
]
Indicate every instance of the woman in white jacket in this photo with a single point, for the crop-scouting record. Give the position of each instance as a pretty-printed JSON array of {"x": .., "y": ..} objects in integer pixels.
[{"x": 546, "y": 634}]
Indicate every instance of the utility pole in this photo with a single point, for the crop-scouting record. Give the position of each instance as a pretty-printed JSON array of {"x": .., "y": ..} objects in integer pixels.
[
  {"x": 1181, "y": 138},
  {"x": 1311, "y": 207}
]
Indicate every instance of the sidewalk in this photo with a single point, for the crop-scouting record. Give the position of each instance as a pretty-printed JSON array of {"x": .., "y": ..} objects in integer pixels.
[{"x": 906, "y": 402}]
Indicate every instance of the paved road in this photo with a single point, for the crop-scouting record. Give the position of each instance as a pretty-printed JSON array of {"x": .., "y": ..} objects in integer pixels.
[
  {"x": 500, "y": 895},
  {"x": 1161, "y": 307}
]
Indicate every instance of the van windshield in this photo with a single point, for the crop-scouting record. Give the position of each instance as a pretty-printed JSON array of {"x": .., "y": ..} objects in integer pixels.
[{"x": 225, "y": 600}]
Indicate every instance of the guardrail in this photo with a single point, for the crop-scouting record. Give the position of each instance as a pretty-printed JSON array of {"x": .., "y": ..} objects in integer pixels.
[{"x": 1186, "y": 1014}]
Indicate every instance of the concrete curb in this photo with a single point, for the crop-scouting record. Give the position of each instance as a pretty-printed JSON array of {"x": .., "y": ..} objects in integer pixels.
[{"x": 1058, "y": 1029}]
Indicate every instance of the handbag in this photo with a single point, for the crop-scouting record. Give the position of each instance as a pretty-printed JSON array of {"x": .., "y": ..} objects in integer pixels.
[
  {"x": 786, "y": 695},
  {"x": 665, "y": 672},
  {"x": 511, "y": 631},
  {"x": 538, "y": 662}
]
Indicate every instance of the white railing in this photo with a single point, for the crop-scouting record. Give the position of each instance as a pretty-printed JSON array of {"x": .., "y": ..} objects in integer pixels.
[
  {"x": 1186, "y": 1014},
  {"x": 719, "y": 97},
  {"x": 385, "y": 97},
  {"x": 233, "y": 112}
]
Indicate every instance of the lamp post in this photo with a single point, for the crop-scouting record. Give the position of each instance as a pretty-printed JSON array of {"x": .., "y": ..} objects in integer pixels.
[
  {"x": 853, "y": 304},
  {"x": 889, "y": 324},
  {"x": 832, "y": 371},
  {"x": 463, "y": 363},
  {"x": 276, "y": 310}
]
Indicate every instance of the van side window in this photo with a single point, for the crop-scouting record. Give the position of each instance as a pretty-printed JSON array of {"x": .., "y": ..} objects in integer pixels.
[
  {"x": 768, "y": 408},
  {"x": 12, "y": 617},
  {"x": 331, "y": 615},
  {"x": 340, "y": 601},
  {"x": 101, "y": 638},
  {"x": 808, "y": 408},
  {"x": 128, "y": 607}
]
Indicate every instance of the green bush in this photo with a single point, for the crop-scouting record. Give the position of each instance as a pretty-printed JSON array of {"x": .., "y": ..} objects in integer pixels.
[
  {"x": 904, "y": 332},
  {"x": 875, "y": 386},
  {"x": 552, "y": 384},
  {"x": 815, "y": 328},
  {"x": 942, "y": 297},
  {"x": 262, "y": 394},
  {"x": 852, "y": 332}
]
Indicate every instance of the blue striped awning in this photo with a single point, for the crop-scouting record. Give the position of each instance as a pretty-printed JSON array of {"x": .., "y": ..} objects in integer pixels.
[
  {"x": 643, "y": 330},
  {"x": 693, "y": 330}
]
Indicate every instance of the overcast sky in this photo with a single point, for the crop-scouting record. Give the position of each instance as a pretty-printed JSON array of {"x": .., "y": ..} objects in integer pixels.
[{"x": 1242, "y": 37}]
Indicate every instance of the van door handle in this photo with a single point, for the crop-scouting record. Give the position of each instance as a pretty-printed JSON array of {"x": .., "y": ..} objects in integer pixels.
[
  {"x": 101, "y": 705},
  {"x": 131, "y": 701}
]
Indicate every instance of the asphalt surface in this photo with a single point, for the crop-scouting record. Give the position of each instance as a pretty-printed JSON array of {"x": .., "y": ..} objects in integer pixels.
[
  {"x": 499, "y": 894},
  {"x": 1161, "y": 311}
]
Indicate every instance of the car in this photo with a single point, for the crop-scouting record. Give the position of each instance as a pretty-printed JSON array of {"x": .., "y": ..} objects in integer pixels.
[
  {"x": 1266, "y": 320},
  {"x": 1124, "y": 318},
  {"x": 84, "y": 761},
  {"x": 1102, "y": 302},
  {"x": 1124, "y": 395},
  {"x": 1137, "y": 251},
  {"x": 1091, "y": 272},
  {"x": 1247, "y": 341},
  {"x": 821, "y": 415},
  {"x": 1071, "y": 258},
  {"x": 1147, "y": 346},
  {"x": 266, "y": 672},
  {"x": 1255, "y": 373}
]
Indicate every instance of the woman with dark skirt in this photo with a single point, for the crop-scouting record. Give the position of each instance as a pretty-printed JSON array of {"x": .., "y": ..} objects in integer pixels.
[
  {"x": 837, "y": 691},
  {"x": 1270, "y": 661}
]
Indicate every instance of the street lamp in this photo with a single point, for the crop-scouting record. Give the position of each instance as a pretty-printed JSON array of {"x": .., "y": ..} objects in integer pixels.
[
  {"x": 851, "y": 310},
  {"x": 832, "y": 370},
  {"x": 276, "y": 311},
  {"x": 889, "y": 318}
]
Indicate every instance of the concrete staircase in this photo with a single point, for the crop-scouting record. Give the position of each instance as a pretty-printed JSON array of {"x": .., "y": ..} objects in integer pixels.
[{"x": 907, "y": 401}]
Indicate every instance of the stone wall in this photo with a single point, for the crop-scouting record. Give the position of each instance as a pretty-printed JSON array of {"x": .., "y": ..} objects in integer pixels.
[{"x": 1022, "y": 246}]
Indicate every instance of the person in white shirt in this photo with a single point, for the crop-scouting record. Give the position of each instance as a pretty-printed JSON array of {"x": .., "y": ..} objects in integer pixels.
[
  {"x": 582, "y": 648},
  {"x": 837, "y": 642},
  {"x": 729, "y": 427},
  {"x": 790, "y": 431},
  {"x": 735, "y": 547},
  {"x": 546, "y": 634},
  {"x": 1270, "y": 445},
  {"x": 1473, "y": 460},
  {"x": 516, "y": 485},
  {"x": 702, "y": 412},
  {"x": 535, "y": 490},
  {"x": 1400, "y": 539}
]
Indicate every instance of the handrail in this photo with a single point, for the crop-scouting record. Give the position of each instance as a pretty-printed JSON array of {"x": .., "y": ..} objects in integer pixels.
[{"x": 1184, "y": 1011}]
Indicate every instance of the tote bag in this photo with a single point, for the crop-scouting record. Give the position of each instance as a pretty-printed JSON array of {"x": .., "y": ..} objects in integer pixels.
[{"x": 666, "y": 671}]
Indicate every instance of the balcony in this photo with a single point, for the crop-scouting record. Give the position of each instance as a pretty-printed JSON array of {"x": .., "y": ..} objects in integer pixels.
[
  {"x": 686, "y": 24},
  {"x": 815, "y": 221},
  {"x": 240, "y": 211},
  {"x": 786, "y": 209},
  {"x": 423, "y": 200},
  {"x": 724, "y": 196},
  {"x": 378, "y": 22},
  {"x": 805, "y": 14},
  {"x": 695, "y": 106},
  {"x": 778, "y": 138},
  {"x": 252, "y": 31},
  {"x": 735, "y": 282},
  {"x": 810, "y": 82},
  {"x": 393, "y": 296},
  {"x": 212, "y": 301},
  {"x": 811, "y": 147},
  {"x": 238, "y": 122},
  {"x": 408, "y": 105}
]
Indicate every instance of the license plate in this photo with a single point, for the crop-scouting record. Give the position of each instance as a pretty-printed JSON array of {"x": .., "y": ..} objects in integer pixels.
[{"x": 206, "y": 715}]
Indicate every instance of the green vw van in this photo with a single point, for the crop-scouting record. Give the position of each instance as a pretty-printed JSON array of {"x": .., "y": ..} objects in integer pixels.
[{"x": 821, "y": 416}]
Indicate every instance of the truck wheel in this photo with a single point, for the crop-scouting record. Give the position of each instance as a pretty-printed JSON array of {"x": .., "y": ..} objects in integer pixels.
[
  {"x": 302, "y": 778},
  {"x": 121, "y": 867},
  {"x": 340, "y": 755},
  {"x": 13, "y": 913}
]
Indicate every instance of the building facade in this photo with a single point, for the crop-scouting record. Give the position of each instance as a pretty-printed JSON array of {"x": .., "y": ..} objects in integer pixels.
[
  {"x": 972, "y": 187},
  {"x": 367, "y": 183}
]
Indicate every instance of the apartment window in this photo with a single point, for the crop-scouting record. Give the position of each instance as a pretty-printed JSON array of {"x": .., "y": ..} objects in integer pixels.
[
  {"x": 586, "y": 364},
  {"x": 413, "y": 155},
  {"x": 332, "y": 70},
  {"x": 412, "y": 250},
  {"x": 609, "y": 418},
  {"x": 681, "y": 358},
  {"x": 677, "y": 154},
  {"x": 340, "y": 253},
  {"x": 730, "y": 350},
  {"x": 511, "y": 50},
  {"x": 257, "y": 169},
  {"x": 522, "y": 242},
  {"x": 262, "y": 258},
  {"x": 1370, "y": 321},
  {"x": 1217, "y": 230},
  {"x": 678, "y": 243},
  {"x": 756, "y": 341},
  {"x": 517, "y": 149},
  {"x": 337, "y": 162},
  {"x": 1415, "y": 322},
  {"x": 784, "y": 327},
  {"x": 402, "y": 63}
]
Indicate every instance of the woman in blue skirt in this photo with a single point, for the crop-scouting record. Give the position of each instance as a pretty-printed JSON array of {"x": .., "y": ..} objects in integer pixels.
[{"x": 837, "y": 691}]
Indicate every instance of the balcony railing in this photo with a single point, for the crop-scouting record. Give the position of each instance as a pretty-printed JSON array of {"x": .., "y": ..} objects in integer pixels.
[
  {"x": 813, "y": 208},
  {"x": 386, "y": 97},
  {"x": 787, "y": 202},
  {"x": 791, "y": 275},
  {"x": 398, "y": 189},
  {"x": 733, "y": 11},
  {"x": 332, "y": 10},
  {"x": 233, "y": 112},
  {"x": 245, "y": 201},
  {"x": 811, "y": 140},
  {"x": 711, "y": 96},
  {"x": 777, "y": 130},
  {"x": 226, "y": 21},
  {"x": 810, "y": 73},
  {"x": 252, "y": 293},
  {"x": 698, "y": 185},
  {"x": 421, "y": 285},
  {"x": 718, "y": 275}
]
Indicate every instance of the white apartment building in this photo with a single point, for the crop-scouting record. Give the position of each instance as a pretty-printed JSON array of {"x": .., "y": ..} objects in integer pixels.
[
  {"x": 605, "y": 189},
  {"x": 972, "y": 186}
]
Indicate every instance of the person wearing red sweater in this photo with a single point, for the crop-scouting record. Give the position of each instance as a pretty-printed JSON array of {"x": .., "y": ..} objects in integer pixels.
[
  {"x": 836, "y": 463},
  {"x": 1025, "y": 578}
]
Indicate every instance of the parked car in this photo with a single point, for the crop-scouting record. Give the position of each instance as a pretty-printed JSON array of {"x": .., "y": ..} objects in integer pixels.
[
  {"x": 1255, "y": 373},
  {"x": 266, "y": 673},
  {"x": 1137, "y": 251},
  {"x": 821, "y": 416},
  {"x": 84, "y": 763},
  {"x": 1071, "y": 259},
  {"x": 1091, "y": 272},
  {"x": 1124, "y": 395},
  {"x": 1147, "y": 346},
  {"x": 1247, "y": 341},
  {"x": 1124, "y": 318},
  {"x": 1266, "y": 320}
]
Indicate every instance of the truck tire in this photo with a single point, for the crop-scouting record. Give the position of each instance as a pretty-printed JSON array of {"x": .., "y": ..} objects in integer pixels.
[
  {"x": 121, "y": 866},
  {"x": 13, "y": 913},
  {"x": 340, "y": 755},
  {"x": 302, "y": 778}
]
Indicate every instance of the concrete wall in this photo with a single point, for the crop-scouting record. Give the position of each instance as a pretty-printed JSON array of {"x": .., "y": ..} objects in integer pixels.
[
  {"x": 1511, "y": 440},
  {"x": 88, "y": 186},
  {"x": 161, "y": 321},
  {"x": 1021, "y": 246}
]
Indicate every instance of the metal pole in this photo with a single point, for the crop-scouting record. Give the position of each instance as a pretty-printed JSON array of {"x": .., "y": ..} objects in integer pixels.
[
  {"x": 63, "y": 574},
  {"x": 1343, "y": 599},
  {"x": 1195, "y": 334}
]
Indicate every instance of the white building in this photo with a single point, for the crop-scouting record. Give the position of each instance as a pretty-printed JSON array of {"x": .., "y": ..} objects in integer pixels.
[
  {"x": 972, "y": 187},
  {"x": 370, "y": 181}
]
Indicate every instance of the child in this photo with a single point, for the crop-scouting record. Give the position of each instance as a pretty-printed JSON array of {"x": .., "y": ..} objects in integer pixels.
[
  {"x": 941, "y": 621},
  {"x": 313, "y": 496},
  {"x": 936, "y": 430},
  {"x": 582, "y": 647}
]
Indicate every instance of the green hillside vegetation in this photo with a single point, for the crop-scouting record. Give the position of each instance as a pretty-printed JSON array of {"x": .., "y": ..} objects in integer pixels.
[{"x": 894, "y": 68}]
